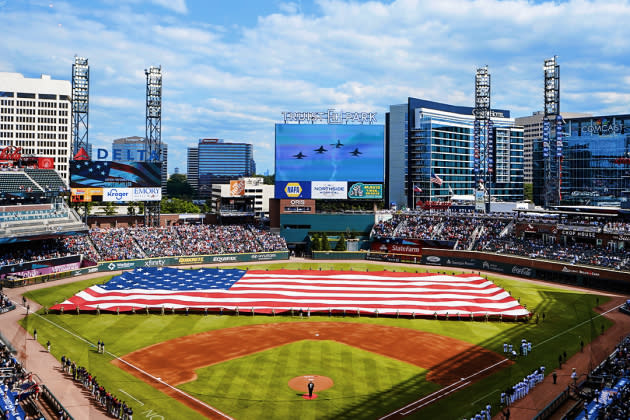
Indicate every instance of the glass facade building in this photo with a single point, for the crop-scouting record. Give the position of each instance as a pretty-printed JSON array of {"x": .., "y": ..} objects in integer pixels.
[
  {"x": 596, "y": 163},
  {"x": 438, "y": 139},
  {"x": 220, "y": 162}
]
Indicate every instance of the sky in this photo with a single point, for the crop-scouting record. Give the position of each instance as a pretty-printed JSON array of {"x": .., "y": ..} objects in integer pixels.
[{"x": 230, "y": 68}]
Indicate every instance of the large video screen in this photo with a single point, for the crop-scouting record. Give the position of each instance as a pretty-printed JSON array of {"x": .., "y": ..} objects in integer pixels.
[
  {"x": 329, "y": 152},
  {"x": 111, "y": 174}
]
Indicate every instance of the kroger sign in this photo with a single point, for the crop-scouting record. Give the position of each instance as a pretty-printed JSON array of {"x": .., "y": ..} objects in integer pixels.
[{"x": 124, "y": 195}]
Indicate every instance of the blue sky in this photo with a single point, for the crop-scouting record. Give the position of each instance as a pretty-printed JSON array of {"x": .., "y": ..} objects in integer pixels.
[{"x": 231, "y": 67}]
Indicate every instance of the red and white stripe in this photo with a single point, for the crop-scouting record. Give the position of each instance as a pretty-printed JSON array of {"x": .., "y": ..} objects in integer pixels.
[{"x": 322, "y": 291}]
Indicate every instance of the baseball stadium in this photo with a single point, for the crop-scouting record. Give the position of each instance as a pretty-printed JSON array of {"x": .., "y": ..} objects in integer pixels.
[
  {"x": 437, "y": 315},
  {"x": 330, "y": 308}
]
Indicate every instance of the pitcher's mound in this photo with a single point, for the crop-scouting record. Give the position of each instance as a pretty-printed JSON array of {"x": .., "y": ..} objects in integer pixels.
[{"x": 300, "y": 383}]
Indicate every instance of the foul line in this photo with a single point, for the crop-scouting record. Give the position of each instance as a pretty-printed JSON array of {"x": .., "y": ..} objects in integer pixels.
[
  {"x": 440, "y": 391},
  {"x": 487, "y": 395},
  {"x": 578, "y": 325},
  {"x": 132, "y": 366},
  {"x": 135, "y": 399}
]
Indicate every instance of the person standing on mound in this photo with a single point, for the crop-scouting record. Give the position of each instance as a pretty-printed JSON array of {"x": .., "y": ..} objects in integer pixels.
[{"x": 311, "y": 386}]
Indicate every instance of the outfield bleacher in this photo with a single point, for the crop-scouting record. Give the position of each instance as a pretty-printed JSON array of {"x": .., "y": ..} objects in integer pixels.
[
  {"x": 47, "y": 179},
  {"x": 17, "y": 181}
]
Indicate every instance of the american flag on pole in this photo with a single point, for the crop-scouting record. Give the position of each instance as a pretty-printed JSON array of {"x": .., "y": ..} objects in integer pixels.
[
  {"x": 279, "y": 291},
  {"x": 436, "y": 179}
]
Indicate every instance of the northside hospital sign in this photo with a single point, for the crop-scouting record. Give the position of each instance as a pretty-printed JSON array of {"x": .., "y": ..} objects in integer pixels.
[{"x": 330, "y": 117}]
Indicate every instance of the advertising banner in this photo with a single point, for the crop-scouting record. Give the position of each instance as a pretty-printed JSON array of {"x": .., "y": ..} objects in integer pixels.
[
  {"x": 476, "y": 142},
  {"x": 46, "y": 163},
  {"x": 120, "y": 195},
  {"x": 331, "y": 190},
  {"x": 293, "y": 189},
  {"x": 111, "y": 174},
  {"x": 86, "y": 195},
  {"x": 125, "y": 195},
  {"x": 237, "y": 188},
  {"x": 559, "y": 129},
  {"x": 147, "y": 194},
  {"x": 42, "y": 266},
  {"x": 490, "y": 147},
  {"x": 365, "y": 191},
  {"x": 546, "y": 128},
  {"x": 480, "y": 204}
]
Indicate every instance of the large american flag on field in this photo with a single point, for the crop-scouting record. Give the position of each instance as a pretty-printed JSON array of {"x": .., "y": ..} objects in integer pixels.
[{"x": 284, "y": 290}]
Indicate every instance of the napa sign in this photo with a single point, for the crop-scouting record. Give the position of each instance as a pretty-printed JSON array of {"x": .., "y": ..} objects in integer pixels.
[{"x": 128, "y": 155}]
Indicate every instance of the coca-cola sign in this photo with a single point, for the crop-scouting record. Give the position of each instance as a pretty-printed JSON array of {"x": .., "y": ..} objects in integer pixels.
[{"x": 11, "y": 153}]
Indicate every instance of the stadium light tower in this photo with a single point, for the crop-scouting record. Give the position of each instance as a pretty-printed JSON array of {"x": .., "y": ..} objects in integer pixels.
[
  {"x": 153, "y": 134},
  {"x": 80, "y": 103},
  {"x": 552, "y": 157},
  {"x": 483, "y": 134}
]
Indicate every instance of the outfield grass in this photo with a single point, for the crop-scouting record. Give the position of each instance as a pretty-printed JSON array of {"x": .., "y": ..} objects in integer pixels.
[
  {"x": 125, "y": 333},
  {"x": 256, "y": 387}
]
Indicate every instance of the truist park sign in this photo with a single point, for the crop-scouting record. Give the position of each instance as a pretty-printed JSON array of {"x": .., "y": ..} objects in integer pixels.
[{"x": 331, "y": 116}]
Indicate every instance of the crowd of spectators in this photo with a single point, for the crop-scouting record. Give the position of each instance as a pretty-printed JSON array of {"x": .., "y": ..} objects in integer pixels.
[
  {"x": 574, "y": 253},
  {"x": 606, "y": 392},
  {"x": 18, "y": 253},
  {"x": 114, "y": 406}
]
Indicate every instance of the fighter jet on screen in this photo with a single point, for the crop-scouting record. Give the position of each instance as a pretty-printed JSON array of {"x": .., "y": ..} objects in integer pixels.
[
  {"x": 320, "y": 149},
  {"x": 355, "y": 152},
  {"x": 299, "y": 155},
  {"x": 338, "y": 144}
]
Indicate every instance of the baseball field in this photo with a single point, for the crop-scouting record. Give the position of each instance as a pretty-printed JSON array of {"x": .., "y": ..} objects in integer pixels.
[{"x": 176, "y": 366}]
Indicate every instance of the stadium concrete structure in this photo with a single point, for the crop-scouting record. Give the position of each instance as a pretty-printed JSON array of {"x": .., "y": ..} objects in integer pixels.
[
  {"x": 425, "y": 138},
  {"x": 134, "y": 148},
  {"x": 219, "y": 162},
  {"x": 596, "y": 162},
  {"x": 35, "y": 114},
  {"x": 533, "y": 132}
]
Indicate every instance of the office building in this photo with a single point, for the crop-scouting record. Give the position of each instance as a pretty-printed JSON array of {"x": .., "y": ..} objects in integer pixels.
[
  {"x": 35, "y": 115},
  {"x": 192, "y": 168},
  {"x": 219, "y": 162},
  {"x": 246, "y": 197},
  {"x": 532, "y": 133},
  {"x": 595, "y": 166},
  {"x": 430, "y": 147},
  {"x": 134, "y": 148}
]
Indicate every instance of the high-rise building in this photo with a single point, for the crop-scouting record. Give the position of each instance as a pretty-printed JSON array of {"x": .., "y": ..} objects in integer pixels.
[
  {"x": 430, "y": 154},
  {"x": 134, "y": 148},
  {"x": 192, "y": 168},
  {"x": 220, "y": 162},
  {"x": 35, "y": 114},
  {"x": 533, "y": 132},
  {"x": 595, "y": 163}
]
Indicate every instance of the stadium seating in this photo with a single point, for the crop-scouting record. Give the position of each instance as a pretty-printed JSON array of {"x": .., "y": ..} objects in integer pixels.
[
  {"x": 47, "y": 179},
  {"x": 12, "y": 181}
]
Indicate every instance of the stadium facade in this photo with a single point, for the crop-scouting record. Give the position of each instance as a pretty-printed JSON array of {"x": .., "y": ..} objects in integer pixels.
[
  {"x": 596, "y": 162},
  {"x": 219, "y": 162},
  {"x": 425, "y": 138},
  {"x": 134, "y": 148},
  {"x": 36, "y": 115}
]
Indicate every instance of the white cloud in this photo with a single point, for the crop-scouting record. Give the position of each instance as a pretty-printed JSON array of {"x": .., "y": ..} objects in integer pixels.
[{"x": 228, "y": 80}]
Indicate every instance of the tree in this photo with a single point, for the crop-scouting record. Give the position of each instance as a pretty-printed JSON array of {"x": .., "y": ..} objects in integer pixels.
[
  {"x": 528, "y": 191},
  {"x": 269, "y": 179},
  {"x": 110, "y": 208},
  {"x": 325, "y": 243},
  {"x": 177, "y": 205},
  {"x": 341, "y": 243},
  {"x": 316, "y": 244},
  {"x": 178, "y": 186}
]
